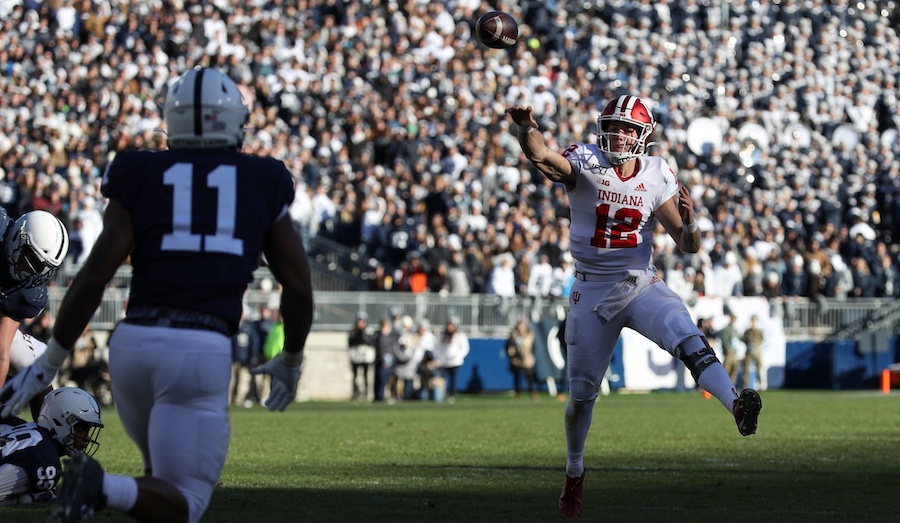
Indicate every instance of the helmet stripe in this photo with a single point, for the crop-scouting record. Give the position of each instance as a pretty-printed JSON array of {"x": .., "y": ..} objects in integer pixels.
[
  {"x": 62, "y": 244},
  {"x": 626, "y": 104},
  {"x": 198, "y": 103}
]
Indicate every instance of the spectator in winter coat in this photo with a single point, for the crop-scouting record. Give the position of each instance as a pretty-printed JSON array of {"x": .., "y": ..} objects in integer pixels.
[
  {"x": 451, "y": 352},
  {"x": 520, "y": 350}
]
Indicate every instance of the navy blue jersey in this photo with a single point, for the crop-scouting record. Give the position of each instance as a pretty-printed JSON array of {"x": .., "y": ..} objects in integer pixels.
[
  {"x": 200, "y": 218},
  {"x": 30, "y": 447},
  {"x": 17, "y": 302}
]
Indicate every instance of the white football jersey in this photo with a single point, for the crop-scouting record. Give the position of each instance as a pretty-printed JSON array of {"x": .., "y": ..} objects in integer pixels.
[{"x": 612, "y": 219}]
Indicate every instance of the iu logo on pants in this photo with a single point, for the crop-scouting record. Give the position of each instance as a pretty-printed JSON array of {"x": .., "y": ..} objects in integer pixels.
[{"x": 575, "y": 297}]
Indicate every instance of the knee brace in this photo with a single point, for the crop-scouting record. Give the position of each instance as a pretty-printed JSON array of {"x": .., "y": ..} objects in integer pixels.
[{"x": 698, "y": 360}]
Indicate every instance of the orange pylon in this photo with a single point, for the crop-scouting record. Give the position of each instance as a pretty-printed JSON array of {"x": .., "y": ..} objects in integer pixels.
[
  {"x": 706, "y": 395},
  {"x": 886, "y": 381}
]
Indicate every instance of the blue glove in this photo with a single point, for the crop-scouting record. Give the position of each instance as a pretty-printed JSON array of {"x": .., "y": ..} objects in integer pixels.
[
  {"x": 31, "y": 380},
  {"x": 285, "y": 372}
]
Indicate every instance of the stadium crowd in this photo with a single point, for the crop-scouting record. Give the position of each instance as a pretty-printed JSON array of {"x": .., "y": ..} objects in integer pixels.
[{"x": 781, "y": 117}]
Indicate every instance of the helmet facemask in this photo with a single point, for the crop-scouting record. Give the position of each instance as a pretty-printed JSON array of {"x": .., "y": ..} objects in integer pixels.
[
  {"x": 72, "y": 417},
  {"x": 83, "y": 437},
  {"x": 36, "y": 247},
  {"x": 618, "y": 147}
]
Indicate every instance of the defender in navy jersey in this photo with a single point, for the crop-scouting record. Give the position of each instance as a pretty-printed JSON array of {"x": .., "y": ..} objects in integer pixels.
[
  {"x": 616, "y": 192},
  {"x": 34, "y": 247},
  {"x": 69, "y": 422},
  {"x": 194, "y": 220},
  {"x": 200, "y": 218}
]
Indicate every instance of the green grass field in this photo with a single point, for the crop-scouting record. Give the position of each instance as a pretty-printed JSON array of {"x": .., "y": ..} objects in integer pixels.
[{"x": 662, "y": 457}]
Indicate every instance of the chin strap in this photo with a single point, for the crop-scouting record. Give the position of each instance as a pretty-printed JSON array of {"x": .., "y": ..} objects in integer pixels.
[{"x": 4, "y": 293}]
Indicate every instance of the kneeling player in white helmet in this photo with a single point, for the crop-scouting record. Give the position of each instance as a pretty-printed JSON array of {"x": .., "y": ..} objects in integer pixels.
[
  {"x": 34, "y": 247},
  {"x": 68, "y": 422}
]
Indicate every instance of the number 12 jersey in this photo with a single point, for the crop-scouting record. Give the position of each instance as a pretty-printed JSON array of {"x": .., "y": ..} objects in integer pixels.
[{"x": 612, "y": 218}]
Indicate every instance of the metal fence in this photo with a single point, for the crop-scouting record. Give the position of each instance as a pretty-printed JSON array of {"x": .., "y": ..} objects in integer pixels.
[{"x": 489, "y": 315}]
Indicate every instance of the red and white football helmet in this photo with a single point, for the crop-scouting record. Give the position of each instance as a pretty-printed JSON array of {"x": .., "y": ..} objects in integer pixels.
[{"x": 629, "y": 110}]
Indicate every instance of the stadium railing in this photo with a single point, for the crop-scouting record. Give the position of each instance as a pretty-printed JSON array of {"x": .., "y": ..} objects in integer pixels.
[{"x": 490, "y": 316}]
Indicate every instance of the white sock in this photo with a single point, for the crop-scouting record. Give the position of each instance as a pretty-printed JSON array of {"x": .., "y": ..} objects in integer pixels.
[
  {"x": 575, "y": 466},
  {"x": 578, "y": 422},
  {"x": 717, "y": 382},
  {"x": 121, "y": 491}
]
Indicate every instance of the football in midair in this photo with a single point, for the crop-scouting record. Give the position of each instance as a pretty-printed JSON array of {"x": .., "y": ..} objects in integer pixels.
[{"x": 497, "y": 29}]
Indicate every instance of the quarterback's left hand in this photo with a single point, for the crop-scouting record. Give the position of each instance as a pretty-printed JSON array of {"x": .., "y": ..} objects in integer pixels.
[
  {"x": 33, "y": 379},
  {"x": 285, "y": 372},
  {"x": 685, "y": 204}
]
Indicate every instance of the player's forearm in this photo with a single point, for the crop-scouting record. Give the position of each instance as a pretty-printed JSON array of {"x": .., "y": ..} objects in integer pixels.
[
  {"x": 85, "y": 294},
  {"x": 532, "y": 143},
  {"x": 8, "y": 328},
  {"x": 297, "y": 312},
  {"x": 552, "y": 164},
  {"x": 690, "y": 238},
  {"x": 77, "y": 309}
]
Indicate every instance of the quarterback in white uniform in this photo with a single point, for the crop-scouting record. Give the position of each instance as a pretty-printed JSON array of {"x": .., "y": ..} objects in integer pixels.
[{"x": 615, "y": 192}]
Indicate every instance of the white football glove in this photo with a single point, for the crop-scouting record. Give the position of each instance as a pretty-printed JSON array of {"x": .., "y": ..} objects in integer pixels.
[
  {"x": 31, "y": 380},
  {"x": 285, "y": 372}
]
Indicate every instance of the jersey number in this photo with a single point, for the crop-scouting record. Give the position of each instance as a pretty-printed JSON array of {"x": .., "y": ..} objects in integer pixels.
[
  {"x": 18, "y": 438},
  {"x": 23, "y": 437},
  {"x": 622, "y": 234},
  {"x": 224, "y": 179},
  {"x": 46, "y": 478}
]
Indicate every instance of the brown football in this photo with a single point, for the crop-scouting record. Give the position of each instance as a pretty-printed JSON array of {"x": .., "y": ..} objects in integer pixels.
[{"x": 497, "y": 29}]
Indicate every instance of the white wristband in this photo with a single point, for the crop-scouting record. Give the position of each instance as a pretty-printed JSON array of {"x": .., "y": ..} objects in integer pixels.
[
  {"x": 689, "y": 227},
  {"x": 525, "y": 129}
]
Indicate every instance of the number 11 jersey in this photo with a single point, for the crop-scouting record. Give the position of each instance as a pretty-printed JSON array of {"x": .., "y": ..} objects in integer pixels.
[{"x": 200, "y": 218}]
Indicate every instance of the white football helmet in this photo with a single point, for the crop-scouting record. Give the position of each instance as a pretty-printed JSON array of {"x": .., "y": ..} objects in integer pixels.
[
  {"x": 72, "y": 416},
  {"x": 204, "y": 109},
  {"x": 36, "y": 246},
  {"x": 632, "y": 111}
]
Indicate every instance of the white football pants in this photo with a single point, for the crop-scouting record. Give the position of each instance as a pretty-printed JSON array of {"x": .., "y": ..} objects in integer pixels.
[{"x": 171, "y": 392}]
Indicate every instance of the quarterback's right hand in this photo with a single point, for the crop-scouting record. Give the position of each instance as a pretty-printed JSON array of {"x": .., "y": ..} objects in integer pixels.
[
  {"x": 31, "y": 380},
  {"x": 522, "y": 116},
  {"x": 285, "y": 372}
]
